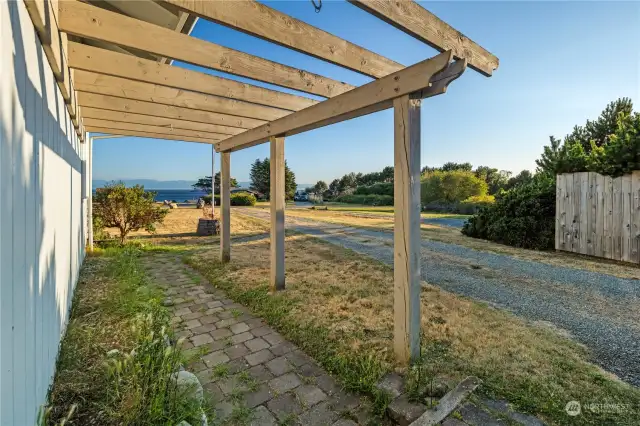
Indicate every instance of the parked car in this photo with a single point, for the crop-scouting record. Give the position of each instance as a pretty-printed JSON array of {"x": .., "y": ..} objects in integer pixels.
[{"x": 300, "y": 196}]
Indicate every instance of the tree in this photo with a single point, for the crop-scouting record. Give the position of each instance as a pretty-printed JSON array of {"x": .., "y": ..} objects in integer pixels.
[
  {"x": 521, "y": 178},
  {"x": 496, "y": 180},
  {"x": 334, "y": 187},
  {"x": 451, "y": 166},
  {"x": 451, "y": 187},
  {"x": 260, "y": 176},
  {"x": 320, "y": 187},
  {"x": 128, "y": 209},
  {"x": 204, "y": 183},
  {"x": 347, "y": 183}
]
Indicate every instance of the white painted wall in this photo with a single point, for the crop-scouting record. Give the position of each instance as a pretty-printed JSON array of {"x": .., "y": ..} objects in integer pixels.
[{"x": 42, "y": 225}]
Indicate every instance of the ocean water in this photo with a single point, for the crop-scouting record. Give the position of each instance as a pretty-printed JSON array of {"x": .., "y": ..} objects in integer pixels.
[{"x": 179, "y": 195}]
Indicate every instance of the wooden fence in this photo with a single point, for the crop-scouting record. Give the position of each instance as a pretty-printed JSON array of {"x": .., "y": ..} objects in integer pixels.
[{"x": 598, "y": 215}]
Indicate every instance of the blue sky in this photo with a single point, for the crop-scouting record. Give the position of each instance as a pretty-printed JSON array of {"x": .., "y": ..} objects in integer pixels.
[{"x": 560, "y": 64}]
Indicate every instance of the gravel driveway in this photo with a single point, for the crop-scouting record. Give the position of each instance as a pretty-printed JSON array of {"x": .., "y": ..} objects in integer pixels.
[{"x": 600, "y": 311}]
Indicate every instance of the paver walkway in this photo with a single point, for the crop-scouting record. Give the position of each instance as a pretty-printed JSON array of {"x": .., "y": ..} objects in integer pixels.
[
  {"x": 251, "y": 373},
  {"x": 253, "y": 376}
]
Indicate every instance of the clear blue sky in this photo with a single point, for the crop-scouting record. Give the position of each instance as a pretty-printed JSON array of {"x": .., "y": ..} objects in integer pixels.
[{"x": 560, "y": 64}]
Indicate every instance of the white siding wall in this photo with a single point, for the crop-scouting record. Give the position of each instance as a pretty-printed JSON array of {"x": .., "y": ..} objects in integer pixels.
[{"x": 42, "y": 213}]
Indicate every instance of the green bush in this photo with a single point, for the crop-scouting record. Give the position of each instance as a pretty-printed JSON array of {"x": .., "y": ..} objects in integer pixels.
[
  {"x": 382, "y": 188},
  {"x": 207, "y": 199},
  {"x": 521, "y": 217},
  {"x": 450, "y": 186},
  {"x": 368, "y": 200},
  {"x": 471, "y": 205},
  {"x": 243, "y": 199}
]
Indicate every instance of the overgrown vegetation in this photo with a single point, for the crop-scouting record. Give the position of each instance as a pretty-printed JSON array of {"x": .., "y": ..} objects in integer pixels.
[
  {"x": 525, "y": 215},
  {"x": 127, "y": 209},
  {"x": 114, "y": 364}
]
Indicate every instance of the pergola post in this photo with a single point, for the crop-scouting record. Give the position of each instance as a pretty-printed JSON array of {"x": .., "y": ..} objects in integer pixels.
[
  {"x": 89, "y": 177},
  {"x": 213, "y": 182},
  {"x": 406, "y": 241},
  {"x": 225, "y": 211},
  {"x": 277, "y": 204}
]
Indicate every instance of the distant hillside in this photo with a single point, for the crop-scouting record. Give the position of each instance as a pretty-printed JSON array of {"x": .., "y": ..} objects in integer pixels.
[
  {"x": 150, "y": 183},
  {"x": 170, "y": 184}
]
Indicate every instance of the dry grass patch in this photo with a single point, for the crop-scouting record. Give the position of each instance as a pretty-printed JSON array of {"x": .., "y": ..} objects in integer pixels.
[
  {"x": 347, "y": 300},
  {"x": 454, "y": 236},
  {"x": 180, "y": 225}
]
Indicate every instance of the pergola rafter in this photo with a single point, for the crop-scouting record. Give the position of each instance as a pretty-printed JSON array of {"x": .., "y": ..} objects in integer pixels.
[{"x": 109, "y": 59}]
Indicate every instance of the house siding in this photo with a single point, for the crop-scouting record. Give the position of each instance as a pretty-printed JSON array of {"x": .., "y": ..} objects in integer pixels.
[{"x": 42, "y": 217}]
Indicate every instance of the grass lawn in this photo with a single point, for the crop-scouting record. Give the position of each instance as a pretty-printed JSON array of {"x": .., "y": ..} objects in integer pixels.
[
  {"x": 369, "y": 210},
  {"x": 338, "y": 307},
  {"x": 454, "y": 236}
]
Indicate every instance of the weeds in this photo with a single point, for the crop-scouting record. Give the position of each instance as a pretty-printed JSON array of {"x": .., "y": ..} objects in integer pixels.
[{"x": 113, "y": 363}]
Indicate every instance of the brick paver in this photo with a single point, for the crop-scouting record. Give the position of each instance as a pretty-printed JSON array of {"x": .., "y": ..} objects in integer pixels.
[{"x": 242, "y": 363}]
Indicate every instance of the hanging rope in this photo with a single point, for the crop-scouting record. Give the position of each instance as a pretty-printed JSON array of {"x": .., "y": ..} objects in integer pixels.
[{"x": 317, "y": 6}]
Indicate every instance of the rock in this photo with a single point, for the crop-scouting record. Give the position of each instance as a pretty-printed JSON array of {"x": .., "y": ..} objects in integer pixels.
[
  {"x": 393, "y": 384},
  {"x": 403, "y": 411},
  {"x": 173, "y": 206},
  {"x": 167, "y": 302},
  {"x": 188, "y": 384}
]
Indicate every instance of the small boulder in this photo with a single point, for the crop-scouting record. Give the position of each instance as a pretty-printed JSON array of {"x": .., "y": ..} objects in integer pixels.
[
  {"x": 188, "y": 384},
  {"x": 173, "y": 206}
]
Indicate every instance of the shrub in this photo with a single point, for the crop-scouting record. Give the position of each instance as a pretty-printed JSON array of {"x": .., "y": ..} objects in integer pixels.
[
  {"x": 472, "y": 205},
  {"x": 207, "y": 199},
  {"x": 128, "y": 209},
  {"x": 451, "y": 186},
  {"x": 383, "y": 188},
  {"x": 521, "y": 217},
  {"x": 368, "y": 200},
  {"x": 243, "y": 199}
]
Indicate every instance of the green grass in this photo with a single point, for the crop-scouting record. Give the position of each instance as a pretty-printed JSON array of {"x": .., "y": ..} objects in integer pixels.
[
  {"x": 357, "y": 372},
  {"x": 113, "y": 363}
]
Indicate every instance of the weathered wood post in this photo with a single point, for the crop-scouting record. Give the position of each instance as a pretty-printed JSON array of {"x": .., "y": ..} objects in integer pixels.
[
  {"x": 89, "y": 178},
  {"x": 213, "y": 182},
  {"x": 277, "y": 204},
  {"x": 406, "y": 240},
  {"x": 225, "y": 211}
]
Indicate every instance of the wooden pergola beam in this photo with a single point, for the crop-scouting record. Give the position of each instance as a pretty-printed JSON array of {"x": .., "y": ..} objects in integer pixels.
[
  {"x": 84, "y": 20},
  {"x": 43, "y": 14},
  {"x": 93, "y": 59},
  {"x": 377, "y": 94},
  {"x": 120, "y": 132},
  {"x": 269, "y": 24},
  {"x": 415, "y": 20},
  {"x": 159, "y": 110},
  {"x": 130, "y": 89},
  {"x": 128, "y": 117},
  {"x": 95, "y": 122}
]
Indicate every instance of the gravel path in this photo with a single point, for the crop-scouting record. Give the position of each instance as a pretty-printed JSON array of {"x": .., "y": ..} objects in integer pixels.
[{"x": 600, "y": 311}]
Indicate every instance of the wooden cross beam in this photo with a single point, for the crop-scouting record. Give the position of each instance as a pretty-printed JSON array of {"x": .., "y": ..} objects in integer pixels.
[
  {"x": 93, "y": 59},
  {"x": 168, "y": 111},
  {"x": 413, "y": 19},
  {"x": 374, "y": 96},
  {"x": 95, "y": 122},
  {"x": 120, "y": 132},
  {"x": 262, "y": 21},
  {"x": 130, "y": 89},
  {"x": 129, "y": 117},
  {"x": 88, "y": 21}
]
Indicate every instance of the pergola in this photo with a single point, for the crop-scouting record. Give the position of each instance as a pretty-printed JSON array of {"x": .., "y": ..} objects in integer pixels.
[{"x": 112, "y": 62}]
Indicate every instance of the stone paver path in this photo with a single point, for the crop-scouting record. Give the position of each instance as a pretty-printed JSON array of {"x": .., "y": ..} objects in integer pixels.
[{"x": 251, "y": 374}]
